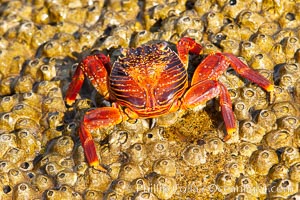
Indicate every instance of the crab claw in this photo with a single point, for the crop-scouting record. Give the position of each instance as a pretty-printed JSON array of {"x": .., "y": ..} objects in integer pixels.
[
  {"x": 185, "y": 46},
  {"x": 96, "y": 68}
]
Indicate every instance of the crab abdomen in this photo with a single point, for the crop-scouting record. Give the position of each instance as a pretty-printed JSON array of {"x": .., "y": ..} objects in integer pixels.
[{"x": 148, "y": 80}]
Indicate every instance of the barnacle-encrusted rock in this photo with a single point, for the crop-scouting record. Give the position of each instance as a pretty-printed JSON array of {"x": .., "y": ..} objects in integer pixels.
[
  {"x": 43, "y": 182},
  {"x": 113, "y": 195},
  {"x": 281, "y": 95},
  {"x": 121, "y": 187},
  {"x": 246, "y": 149},
  {"x": 241, "y": 195},
  {"x": 278, "y": 138},
  {"x": 93, "y": 194},
  {"x": 66, "y": 177},
  {"x": 14, "y": 155},
  {"x": 290, "y": 156},
  {"x": 283, "y": 188},
  {"x": 277, "y": 54},
  {"x": 157, "y": 150},
  {"x": 278, "y": 171},
  {"x": 234, "y": 168},
  {"x": 130, "y": 171},
  {"x": 251, "y": 20},
  {"x": 266, "y": 42},
  {"x": 145, "y": 195},
  {"x": 283, "y": 109},
  {"x": 166, "y": 167},
  {"x": 167, "y": 186},
  {"x": 8, "y": 102},
  {"x": 251, "y": 132},
  {"x": 27, "y": 141},
  {"x": 262, "y": 160},
  {"x": 225, "y": 182},
  {"x": 63, "y": 145},
  {"x": 267, "y": 120},
  {"x": 241, "y": 110},
  {"x": 140, "y": 184},
  {"x": 248, "y": 185},
  {"x": 248, "y": 50},
  {"x": 53, "y": 168},
  {"x": 214, "y": 146},
  {"x": 194, "y": 155},
  {"x": 97, "y": 180},
  {"x": 137, "y": 152},
  {"x": 24, "y": 191},
  {"x": 24, "y": 84},
  {"x": 294, "y": 172},
  {"x": 262, "y": 61},
  {"x": 64, "y": 192},
  {"x": 230, "y": 46},
  {"x": 16, "y": 176}
]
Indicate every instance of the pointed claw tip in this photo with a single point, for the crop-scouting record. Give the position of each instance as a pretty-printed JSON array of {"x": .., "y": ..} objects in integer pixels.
[
  {"x": 270, "y": 88},
  {"x": 69, "y": 101},
  {"x": 97, "y": 166},
  {"x": 230, "y": 131}
]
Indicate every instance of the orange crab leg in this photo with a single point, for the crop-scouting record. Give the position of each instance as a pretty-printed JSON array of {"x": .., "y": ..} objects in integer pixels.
[
  {"x": 210, "y": 89},
  {"x": 249, "y": 73},
  {"x": 96, "y": 119},
  {"x": 75, "y": 86},
  {"x": 96, "y": 68},
  {"x": 185, "y": 46}
]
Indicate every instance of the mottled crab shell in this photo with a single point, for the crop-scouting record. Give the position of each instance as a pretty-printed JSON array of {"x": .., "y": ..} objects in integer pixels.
[{"x": 148, "y": 79}]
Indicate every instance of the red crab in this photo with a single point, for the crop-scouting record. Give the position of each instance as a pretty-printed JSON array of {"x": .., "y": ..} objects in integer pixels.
[{"x": 152, "y": 80}]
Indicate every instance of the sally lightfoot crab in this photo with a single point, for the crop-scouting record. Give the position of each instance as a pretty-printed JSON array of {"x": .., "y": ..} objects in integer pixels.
[{"x": 152, "y": 80}]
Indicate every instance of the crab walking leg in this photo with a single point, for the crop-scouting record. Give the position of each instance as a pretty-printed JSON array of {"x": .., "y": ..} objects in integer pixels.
[
  {"x": 185, "y": 46},
  {"x": 249, "y": 73},
  {"x": 227, "y": 113},
  {"x": 96, "y": 119},
  {"x": 210, "y": 89},
  {"x": 95, "y": 68}
]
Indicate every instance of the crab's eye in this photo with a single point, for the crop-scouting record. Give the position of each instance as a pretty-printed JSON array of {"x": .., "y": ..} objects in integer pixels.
[
  {"x": 232, "y": 2},
  {"x": 142, "y": 33}
]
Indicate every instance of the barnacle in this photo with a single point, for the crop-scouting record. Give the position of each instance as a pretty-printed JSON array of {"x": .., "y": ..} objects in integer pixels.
[
  {"x": 137, "y": 152},
  {"x": 278, "y": 139},
  {"x": 290, "y": 156},
  {"x": 194, "y": 155},
  {"x": 225, "y": 181},
  {"x": 166, "y": 167},
  {"x": 144, "y": 195},
  {"x": 121, "y": 187},
  {"x": 278, "y": 171},
  {"x": 294, "y": 172},
  {"x": 214, "y": 146},
  {"x": 246, "y": 149},
  {"x": 262, "y": 160},
  {"x": 43, "y": 182},
  {"x": 140, "y": 185},
  {"x": 283, "y": 188},
  {"x": 66, "y": 177},
  {"x": 24, "y": 191},
  {"x": 129, "y": 172},
  {"x": 167, "y": 186},
  {"x": 251, "y": 132},
  {"x": 97, "y": 180}
]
